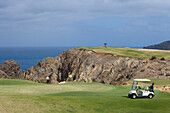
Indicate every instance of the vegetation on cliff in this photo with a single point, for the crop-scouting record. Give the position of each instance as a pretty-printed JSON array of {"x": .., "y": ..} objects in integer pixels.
[{"x": 130, "y": 52}]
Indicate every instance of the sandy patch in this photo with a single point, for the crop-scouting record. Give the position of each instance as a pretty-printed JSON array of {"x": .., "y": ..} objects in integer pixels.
[
  {"x": 163, "y": 88},
  {"x": 62, "y": 82},
  {"x": 153, "y": 50}
]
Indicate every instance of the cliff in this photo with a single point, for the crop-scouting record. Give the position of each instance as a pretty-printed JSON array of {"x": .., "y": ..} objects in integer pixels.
[
  {"x": 163, "y": 46},
  {"x": 88, "y": 66},
  {"x": 91, "y": 66}
]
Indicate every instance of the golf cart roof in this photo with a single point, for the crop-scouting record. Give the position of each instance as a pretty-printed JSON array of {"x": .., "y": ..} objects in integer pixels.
[{"x": 138, "y": 80}]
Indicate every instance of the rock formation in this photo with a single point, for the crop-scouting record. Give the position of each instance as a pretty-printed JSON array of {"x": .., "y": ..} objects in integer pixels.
[
  {"x": 11, "y": 69},
  {"x": 39, "y": 72},
  {"x": 88, "y": 66},
  {"x": 3, "y": 74},
  {"x": 91, "y": 66}
]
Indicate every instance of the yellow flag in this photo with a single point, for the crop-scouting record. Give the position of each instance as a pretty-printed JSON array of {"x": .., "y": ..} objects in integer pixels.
[{"x": 70, "y": 76}]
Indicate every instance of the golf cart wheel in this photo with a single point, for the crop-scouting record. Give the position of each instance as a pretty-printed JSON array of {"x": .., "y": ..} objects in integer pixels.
[
  {"x": 150, "y": 96},
  {"x": 133, "y": 96},
  {"x": 129, "y": 95}
]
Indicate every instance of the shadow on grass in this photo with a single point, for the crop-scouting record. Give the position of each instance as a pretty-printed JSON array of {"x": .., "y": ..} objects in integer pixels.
[
  {"x": 137, "y": 97},
  {"x": 125, "y": 97}
]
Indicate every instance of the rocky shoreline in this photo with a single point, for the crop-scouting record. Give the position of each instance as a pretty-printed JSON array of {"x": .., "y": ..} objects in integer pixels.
[{"x": 88, "y": 66}]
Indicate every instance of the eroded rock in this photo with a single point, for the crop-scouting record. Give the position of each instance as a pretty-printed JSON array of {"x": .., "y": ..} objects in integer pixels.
[
  {"x": 11, "y": 69},
  {"x": 91, "y": 66},
  {"x": 3, "y": 74}
]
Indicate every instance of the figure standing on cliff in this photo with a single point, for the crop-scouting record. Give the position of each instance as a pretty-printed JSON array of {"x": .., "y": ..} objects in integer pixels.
[
  {"x": 105, "y": 44},
  {"x": 47, "y": 79}
]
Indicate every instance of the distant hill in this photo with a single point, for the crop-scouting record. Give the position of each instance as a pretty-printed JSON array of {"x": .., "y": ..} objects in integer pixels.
[{"x": 163, "y": 46}]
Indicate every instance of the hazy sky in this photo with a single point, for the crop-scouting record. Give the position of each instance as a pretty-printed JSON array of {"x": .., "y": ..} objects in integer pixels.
[{"x": 84, "y": 22}]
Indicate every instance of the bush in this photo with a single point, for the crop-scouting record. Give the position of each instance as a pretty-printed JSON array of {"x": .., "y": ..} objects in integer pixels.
[
  {"x": 162, "y": 58},
  {"x": 153, "y": 57}
]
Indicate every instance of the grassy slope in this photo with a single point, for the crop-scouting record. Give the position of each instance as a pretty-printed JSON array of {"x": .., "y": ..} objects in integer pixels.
[
  {"x": 78, "y": 98},
  {"x": 130, "y": 52},
  {"x": 158, "y": 82},
  {"x": 161, "y": 82},
  {"x": 16, "y": 82}
]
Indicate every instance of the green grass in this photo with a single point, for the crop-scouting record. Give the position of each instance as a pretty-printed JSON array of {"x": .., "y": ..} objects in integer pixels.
[
  {"x": 130, "y": 52},
  {"x": 16, "y": 82},
  {"x": 157, "y": 82},
  {"x": 77, "y": 98},
  {"x": 161, "y": 82}
]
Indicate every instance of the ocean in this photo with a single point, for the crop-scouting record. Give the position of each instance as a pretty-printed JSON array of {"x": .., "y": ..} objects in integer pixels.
[{"x": 29, "y": 56}]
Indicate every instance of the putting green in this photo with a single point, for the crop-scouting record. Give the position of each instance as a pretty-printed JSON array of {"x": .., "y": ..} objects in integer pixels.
[{"x": 78, "y": 98}]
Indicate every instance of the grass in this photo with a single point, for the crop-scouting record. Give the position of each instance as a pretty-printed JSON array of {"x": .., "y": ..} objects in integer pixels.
[
  {"x": 16, "y": 82},
  {"x": 77, "y": 98},
  {"x": 130, "y": 52},
  {"x": 157, "y": 82},
  {"x": 161, "y": 82}
]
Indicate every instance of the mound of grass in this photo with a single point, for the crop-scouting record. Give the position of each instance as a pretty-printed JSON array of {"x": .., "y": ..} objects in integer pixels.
[
  {"x": 16, "y": 82},
  {"x": 130, "y": 52},
  {"x": 78, "y": 98}
]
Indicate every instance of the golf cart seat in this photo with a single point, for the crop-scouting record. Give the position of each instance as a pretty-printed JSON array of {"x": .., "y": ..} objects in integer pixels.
[{"x": 146, "y": 88}]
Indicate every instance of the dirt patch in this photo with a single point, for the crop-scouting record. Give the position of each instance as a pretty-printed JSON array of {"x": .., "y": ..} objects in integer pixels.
[{"x": 163, "y": 88}]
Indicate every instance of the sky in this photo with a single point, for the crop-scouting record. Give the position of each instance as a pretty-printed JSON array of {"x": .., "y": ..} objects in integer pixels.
[{"x": 48, "y": 23}]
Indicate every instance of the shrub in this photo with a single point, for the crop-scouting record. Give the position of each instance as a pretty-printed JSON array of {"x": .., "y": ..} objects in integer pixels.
[
  {"x": 153, "y": 57},
  {"x": 162, "y": 58}
]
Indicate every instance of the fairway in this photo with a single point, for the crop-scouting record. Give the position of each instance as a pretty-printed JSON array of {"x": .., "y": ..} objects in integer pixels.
[
  {"x": 130, "y": 52},
  {"x": 17, "y": 82},
  {"x": 76, "y": 98}
]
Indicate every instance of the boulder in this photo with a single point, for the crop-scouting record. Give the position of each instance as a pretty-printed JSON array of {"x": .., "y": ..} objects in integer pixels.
[
  {"x": 3, "y": 74},
  {"x": 12, "y": 69}
]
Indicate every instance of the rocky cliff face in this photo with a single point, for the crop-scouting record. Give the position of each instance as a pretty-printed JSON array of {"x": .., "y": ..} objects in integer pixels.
[
  {"x": 46, "y": 67},
  {"x": 90, "y": 66},
  {"x": 11, "y": 69}
]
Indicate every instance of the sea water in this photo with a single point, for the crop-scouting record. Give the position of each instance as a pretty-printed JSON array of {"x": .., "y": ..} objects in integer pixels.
[{"x": 29, "y": 56}]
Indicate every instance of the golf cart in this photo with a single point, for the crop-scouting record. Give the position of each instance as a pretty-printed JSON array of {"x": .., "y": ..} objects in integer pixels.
[{"x": 137, "y": 91}]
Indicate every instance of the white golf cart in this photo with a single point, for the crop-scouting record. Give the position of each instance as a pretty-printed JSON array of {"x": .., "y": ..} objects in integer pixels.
[{"x": 137, "y": 91}]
